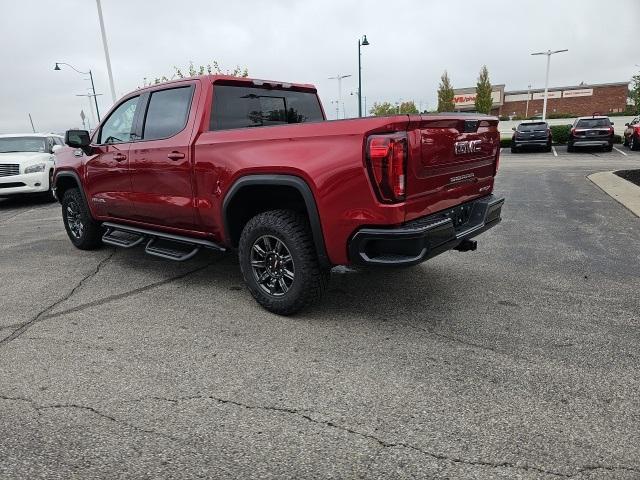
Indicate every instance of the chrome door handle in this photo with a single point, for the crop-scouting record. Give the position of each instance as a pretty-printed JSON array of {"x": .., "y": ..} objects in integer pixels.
[{"x": 176, "y": 155}]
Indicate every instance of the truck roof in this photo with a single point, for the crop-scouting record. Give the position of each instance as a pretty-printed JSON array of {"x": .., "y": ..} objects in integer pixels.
[{"x": 258, "y": 82}]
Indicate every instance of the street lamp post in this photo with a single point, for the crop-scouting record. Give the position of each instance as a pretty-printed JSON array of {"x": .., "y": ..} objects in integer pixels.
[
  {"x": 339, "y": 78},
  {"x": 95, "y": 97},
  {"x": 548, "y": 53},
  {"x": 106, "y": 52},
  {"x": 361, "y": 43}
]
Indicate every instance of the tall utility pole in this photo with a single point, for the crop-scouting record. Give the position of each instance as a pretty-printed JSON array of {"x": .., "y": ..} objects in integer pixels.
[
  {"x": 526, "y": 110},
  {"x": 32, "y": 127},
  {"x": 106, "y": 52},
  {"x": 339, "y": 78},
  {"x": 361, "y": 43},
  {"x": 548, "y": 53}
]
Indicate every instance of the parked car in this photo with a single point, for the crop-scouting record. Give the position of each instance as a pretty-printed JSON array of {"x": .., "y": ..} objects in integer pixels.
[
  {"x": 531, "y": 135},
  {"x": 222, "y": 162},
  {"x": 632, "y": 134},
  {"x": 27, "y": 162},
  {"x": 596, "y": 131}
]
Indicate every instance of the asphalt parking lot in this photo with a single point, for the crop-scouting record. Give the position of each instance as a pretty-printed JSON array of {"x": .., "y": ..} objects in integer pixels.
[{"x": 519, "y": 360}]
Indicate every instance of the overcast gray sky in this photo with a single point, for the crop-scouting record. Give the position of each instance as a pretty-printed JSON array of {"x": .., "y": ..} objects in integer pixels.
[{"x": 412, "y": 42}]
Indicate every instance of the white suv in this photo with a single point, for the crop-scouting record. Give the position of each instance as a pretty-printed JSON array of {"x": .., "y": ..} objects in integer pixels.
[{"x": 27, "y": 162}]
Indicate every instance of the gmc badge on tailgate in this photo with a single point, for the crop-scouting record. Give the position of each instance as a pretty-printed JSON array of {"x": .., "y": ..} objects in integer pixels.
[{"x": 470, "y": 146}]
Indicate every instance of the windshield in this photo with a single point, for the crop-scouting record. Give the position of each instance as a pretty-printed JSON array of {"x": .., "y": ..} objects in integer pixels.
[
  {"x": 532, "y": 127},
  {"x": 593, "y": 123},
  {"x": 23, "y": 144}
]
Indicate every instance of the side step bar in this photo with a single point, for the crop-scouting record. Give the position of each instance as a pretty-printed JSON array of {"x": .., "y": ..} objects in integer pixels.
[
  {"x": 170, "y": 253},
  {"x": 160, "y": 244}
]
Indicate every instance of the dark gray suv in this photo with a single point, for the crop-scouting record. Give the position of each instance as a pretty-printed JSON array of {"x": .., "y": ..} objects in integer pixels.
[
  {"x": 591, "y": 132},
  {"x": 531, "y": 134}
]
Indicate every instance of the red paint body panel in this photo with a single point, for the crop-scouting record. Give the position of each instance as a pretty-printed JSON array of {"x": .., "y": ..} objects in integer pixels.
[{"x": 186, "y": 196}]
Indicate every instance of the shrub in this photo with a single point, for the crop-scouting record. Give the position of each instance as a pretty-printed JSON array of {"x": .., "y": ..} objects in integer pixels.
[
  {"x": 560, "y": 133},
  {"x": 505, "y": 142},
  {"x": 561, "y": 115}
]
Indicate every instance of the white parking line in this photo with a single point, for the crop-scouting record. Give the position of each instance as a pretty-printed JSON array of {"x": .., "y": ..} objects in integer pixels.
[
  {"x": 553, "y": 149},
  {"x": 618, "y": 150}
]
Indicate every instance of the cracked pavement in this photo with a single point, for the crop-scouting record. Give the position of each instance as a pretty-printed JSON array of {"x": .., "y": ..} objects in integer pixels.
[{"x": 519, "y": 360}]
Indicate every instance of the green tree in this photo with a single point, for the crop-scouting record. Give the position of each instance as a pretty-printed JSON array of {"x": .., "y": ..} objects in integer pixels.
[
  {"x": 484, "y": 102},
  {"x": 445, "y": 94},
  {"x": 384, "y": 108},
  {"x": 212, "y": 68},
  {"x": 408, "y": 107},
  {"x": 387, "y": 108},
  {"x": 634, "y": 92}
]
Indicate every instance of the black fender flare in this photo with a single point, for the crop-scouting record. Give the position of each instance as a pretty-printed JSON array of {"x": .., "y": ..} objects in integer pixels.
[
  {"x": 76, "y": 178},
  {"x": 282, "y": 180}
]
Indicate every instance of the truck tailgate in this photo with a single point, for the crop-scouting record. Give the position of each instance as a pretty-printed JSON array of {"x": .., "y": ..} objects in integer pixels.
[{"x": 452, "y": 160}]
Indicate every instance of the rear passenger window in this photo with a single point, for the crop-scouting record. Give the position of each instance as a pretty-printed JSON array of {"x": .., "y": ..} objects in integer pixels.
[
  {"x": 167, "y": 113},
  {"x": 242, "y": 107}
]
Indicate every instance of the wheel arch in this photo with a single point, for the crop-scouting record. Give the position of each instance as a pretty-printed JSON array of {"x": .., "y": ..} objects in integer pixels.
[
  {"x": 235, "y": 213},
  {"x": 65, "y": 180}
]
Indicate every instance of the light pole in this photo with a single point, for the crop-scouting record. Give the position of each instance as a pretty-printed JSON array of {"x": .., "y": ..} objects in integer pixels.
[
  {"x": 339, "y": 78},
  {"x": 361, "y": 43},
  {"x": 106, "y": 52},
  {"x": 548, "y": 53},
  {"x": 95, "y": 97},
  {"x": 526, "y": 110}
]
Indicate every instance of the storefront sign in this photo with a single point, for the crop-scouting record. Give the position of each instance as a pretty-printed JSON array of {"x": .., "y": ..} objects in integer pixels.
[{"x": 583, "y": 92}]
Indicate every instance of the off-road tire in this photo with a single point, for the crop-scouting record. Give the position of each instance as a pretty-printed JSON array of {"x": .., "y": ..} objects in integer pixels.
[
  {"x": 309, "y": 280},
  {"x": 73, "y": 205},
  {"x": 634, "y": 142}
]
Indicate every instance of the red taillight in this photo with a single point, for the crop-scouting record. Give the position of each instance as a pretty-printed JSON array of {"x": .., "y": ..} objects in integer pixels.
[
  {"x": 387, "y": 156},
  {"x": 573, "y": 131}
]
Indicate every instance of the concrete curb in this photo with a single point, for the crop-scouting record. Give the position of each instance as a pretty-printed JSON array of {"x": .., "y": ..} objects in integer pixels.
[{"x": 621, "y": 190}]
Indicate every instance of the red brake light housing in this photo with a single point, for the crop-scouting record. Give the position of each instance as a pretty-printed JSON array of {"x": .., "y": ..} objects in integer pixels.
[{"x": 387, "y": 165}]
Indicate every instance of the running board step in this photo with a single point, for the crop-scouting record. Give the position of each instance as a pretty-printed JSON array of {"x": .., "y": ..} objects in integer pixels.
[
  {"x": 165, "y": 249},
  {"x": 160, "y": 244},
  {"x": 122, "y": 239}
]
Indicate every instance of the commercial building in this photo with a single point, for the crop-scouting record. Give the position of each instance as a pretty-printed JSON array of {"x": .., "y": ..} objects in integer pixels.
[{"x": 583, "y": 99}]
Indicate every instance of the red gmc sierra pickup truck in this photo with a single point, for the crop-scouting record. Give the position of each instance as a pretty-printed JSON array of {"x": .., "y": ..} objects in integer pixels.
[{"x": 223, "y": 162}]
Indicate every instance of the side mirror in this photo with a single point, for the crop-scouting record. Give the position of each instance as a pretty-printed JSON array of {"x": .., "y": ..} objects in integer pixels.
[
  {"x": 626, "y": 124},
  {"x": 55, "y": 148},
  {"x": 611, "y": 123},
  {"x": 513, "y": 128},
  {"x": 78, "y": 139}
]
